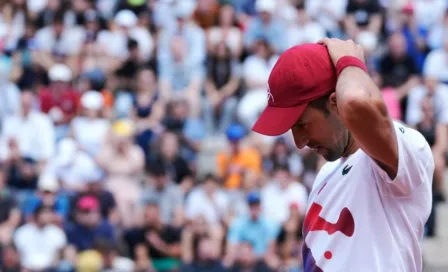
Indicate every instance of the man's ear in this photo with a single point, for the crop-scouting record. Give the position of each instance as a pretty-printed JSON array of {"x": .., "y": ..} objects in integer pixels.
[{"x": 332, "y": 103}]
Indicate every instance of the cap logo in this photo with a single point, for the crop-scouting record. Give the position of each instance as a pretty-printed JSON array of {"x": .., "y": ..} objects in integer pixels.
[{"x": 270, "y": 96}]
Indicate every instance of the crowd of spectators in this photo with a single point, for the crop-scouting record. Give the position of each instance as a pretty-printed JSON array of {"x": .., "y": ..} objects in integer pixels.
[{"x": 125, "y": 140}]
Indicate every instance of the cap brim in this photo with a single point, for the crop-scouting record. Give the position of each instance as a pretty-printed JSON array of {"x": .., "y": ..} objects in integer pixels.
[{"x": 275, "y": 121}]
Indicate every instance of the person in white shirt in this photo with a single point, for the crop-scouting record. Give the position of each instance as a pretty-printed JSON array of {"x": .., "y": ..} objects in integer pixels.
[
  {"x": 207, "y": 200},
  {"x": 39, "y": 243},
  {"x": 436, "y": 63},
  {"x": 370, "y": 202},
  {"x": 280, "y": 193},
  {"x": 32, "y": 132}
]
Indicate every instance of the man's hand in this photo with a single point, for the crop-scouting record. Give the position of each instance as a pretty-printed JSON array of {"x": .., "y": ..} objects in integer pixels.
[{"x": 339, "y": 48}]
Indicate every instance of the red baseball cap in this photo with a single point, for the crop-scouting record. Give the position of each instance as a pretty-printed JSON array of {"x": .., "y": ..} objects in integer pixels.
[{"x": 302, "y": 74}]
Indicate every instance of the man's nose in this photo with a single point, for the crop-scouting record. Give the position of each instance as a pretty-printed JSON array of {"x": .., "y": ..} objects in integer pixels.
[{"x": 301, "y": 140}]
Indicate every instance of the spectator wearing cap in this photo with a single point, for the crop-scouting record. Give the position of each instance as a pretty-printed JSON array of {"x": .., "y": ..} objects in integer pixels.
[
  {"x": 362, "y": 15},
  {"x": 254, "y": 228},
  {"x": 280, "y": 192},
  {"x": 88, "y": 226},
  {"x": 39, "y": 242},
  {"x": 235, "y": 163},
  {"x": 9, "y": 211},
  {"x": 255, "y": 73},
  {"x": 57, "y": 37},
  {"x": 90, "y": 128},
  {"x": 221, "y": 87},
  {"x": 48, "y": 194},
  {"x": 147, "y": 110},
  {"x": 161, "y": 241},
  {"x": 20, "y": 136},
  {"x": 115, "y": 40},
  {"x": 59, "y": 100},
  {"x": 123, "y": 163},
  {"x": 159, "y": 188},
  {"x": 266, "y": 26}
]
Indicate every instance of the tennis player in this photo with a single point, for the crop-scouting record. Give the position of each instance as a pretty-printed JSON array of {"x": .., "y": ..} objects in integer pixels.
[{"x": 370, "y": 201}]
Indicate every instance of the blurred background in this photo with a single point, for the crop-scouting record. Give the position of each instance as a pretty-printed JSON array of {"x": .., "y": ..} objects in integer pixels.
[{"x": 125, "y": 140}]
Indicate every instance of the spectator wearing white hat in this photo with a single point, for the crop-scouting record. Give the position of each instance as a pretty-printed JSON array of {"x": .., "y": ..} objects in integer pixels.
[
  {"x": 266, "y": 26},
  {"x": 59, "y": 100},
  {"x": 48, "y": 194},
  {"x": 125, "y": 27},
  {"x": 90, "y": 129}
]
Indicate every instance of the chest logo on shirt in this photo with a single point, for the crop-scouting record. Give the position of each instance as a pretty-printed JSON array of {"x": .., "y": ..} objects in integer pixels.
[
  {"x": 346, "y": 169},
  {"x": 314, "y": 222},
  {"x": 401, "y": 129}
]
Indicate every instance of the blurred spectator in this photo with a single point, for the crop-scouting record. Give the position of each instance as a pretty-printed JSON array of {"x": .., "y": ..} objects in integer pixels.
[
  {"x": 123, "y": 163},
  {"x": 48, "y": 194},
  {"x": 280, "y": 193},
  {"x": 238, "y": 160},
  {"x": 289, "y": 241},
  {"x": 436, "y": 134},
  {"x": 257, "y": 230},
  {"x": 9, "y": 93},
  {"x": 180, "y": 77},
  {"x": 363, "y": 15},
  {"x": 304, "y": 30},
  {"x": 159, "y": 188},
  {"x": 123, "y": 28},
  {"x": 13, "y": 18},
  {"x": 265, "y": 26},
  {"x": 147, "y": 110},
  {"x": 221, "y": 87},
  {"x": 46, "y": 16},
  {"x": 9, "y": 212},
  {"x": 437, "y": 34},
  {"x": 256, "y": 70},
  {"x": 429, "y": 12},
  {"x": 247, "y": 260},
  {"x": 328, "y": 14},
  {"x": 89, "y": 129},
  {"x": 88, "y": 226},
  {"x": 398, "y": 69},
  {"x": 162, "y": 241},
  {"x": 169, "y": 155},
  {"x": 206, "y": 260},
  {"x": 209, "y": 201},
  {"x": 282, "y": 154},
  {"x": 437, "y": 92},
  {"x": 226, "y": 31},
  {"x": 206, "y": 12},
  {"x": 21, "y": 134},
  {"x": 39, "y": 242},
  {"x": 111, "y": 259},
  {"x": 10, "y": 259},
  {"x": 57, "y": 37},
  {"x": 59, "y": 100},
  {"x": 436, "y": 64}
]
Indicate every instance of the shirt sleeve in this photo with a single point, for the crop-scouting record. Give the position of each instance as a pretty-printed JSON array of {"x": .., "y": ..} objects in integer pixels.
[{"x": 415, "y": 163}]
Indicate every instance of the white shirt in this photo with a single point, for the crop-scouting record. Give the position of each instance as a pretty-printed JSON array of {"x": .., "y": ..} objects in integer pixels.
[
  {"x": 38, "y": 248},
  {"x": 436, "y": 65},
  {"x": 35, "y": 136},
  {"x": 90, "y": 134},
  {"x": 318, "y": 9},
  {"x": 276, "y": 202},
  {"x": 70, "y": 42},
  {"x": 414, "y": 113},
  {"x": 256, "y": 68},
  {"x": 199, "y": 204},
  {"x": 363, "y": 220},
  {"x": 311, "y": 32}
]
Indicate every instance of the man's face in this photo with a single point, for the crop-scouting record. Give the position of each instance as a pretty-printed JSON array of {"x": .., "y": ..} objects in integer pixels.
[{"x": 321, "y": 131}]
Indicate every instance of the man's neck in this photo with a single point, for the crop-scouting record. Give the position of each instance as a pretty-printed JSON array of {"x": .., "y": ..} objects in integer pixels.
[{"x": 351, "y": 146}]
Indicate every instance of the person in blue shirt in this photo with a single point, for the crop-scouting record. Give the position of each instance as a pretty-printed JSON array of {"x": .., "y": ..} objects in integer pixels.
[{"x": 254, "y": 228}]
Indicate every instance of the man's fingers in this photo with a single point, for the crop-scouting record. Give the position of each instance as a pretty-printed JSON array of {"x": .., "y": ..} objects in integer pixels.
[{"x": 324, "y": 41}]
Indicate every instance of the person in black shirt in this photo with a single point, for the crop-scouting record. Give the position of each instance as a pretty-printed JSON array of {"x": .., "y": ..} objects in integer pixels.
[{"x": 398, "y": 69}]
